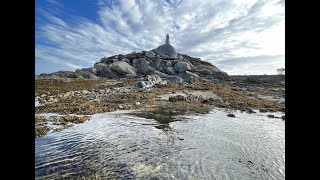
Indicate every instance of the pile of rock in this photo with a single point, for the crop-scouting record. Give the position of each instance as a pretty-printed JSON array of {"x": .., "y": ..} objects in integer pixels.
[{"x": 182, "y": 67}]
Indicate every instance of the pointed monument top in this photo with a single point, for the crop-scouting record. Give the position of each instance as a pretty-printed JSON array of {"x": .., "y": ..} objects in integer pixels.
[{"x": 167, "y": 39}]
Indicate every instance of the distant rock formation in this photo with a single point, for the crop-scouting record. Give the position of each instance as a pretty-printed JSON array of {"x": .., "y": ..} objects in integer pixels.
[
  {"x": 181, "y": 68},
  {"x": 163, "y": 61}
]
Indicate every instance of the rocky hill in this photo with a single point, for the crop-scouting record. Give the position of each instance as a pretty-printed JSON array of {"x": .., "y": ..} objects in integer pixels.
[{"x": 182, "y": 68}]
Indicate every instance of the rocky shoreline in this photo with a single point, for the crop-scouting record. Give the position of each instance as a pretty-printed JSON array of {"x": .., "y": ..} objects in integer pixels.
[
  {"x": 149, "y": 82},
  {"x": 88, "y": 97}
]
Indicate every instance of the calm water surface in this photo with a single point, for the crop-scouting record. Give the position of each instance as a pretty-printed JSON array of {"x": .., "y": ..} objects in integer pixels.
[{"x": 122, "y": 145}]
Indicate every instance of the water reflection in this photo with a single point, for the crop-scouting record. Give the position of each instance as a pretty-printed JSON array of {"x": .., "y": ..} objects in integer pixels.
[{"x": 127, "y": 145}]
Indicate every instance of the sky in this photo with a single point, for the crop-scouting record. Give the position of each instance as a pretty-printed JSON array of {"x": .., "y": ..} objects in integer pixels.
[{"x": 240, "y": 37}]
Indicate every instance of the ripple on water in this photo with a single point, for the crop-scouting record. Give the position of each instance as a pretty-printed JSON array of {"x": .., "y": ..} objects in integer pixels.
[{"x": 207, "y": 146}]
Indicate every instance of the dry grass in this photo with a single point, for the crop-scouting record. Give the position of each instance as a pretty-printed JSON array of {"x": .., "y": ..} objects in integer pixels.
[{"x": 55, "y": 86}]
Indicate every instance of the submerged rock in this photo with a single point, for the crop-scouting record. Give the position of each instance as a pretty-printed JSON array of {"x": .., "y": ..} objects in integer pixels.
[
  {"x": 231, "y": 115},
  {"x": 270, "y": 116},
  {"x": 262, "y": 110}
]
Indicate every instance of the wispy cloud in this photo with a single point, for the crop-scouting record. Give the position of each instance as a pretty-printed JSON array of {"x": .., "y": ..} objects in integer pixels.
[{"x": 222, "y": 32}]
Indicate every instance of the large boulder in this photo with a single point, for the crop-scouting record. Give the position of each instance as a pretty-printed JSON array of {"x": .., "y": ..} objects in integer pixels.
[
  {"x": 123, "y": 68},
  {"x": 182, "y": 66},
  {"x": 142, "y": 66},
  {"x": 103, "y": 70}
]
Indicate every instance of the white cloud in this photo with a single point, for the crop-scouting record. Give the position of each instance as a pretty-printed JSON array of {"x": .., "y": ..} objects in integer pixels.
[{"x": 216, "y": 31}]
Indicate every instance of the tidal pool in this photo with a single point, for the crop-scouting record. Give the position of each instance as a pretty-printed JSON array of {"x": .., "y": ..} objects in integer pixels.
[{"x": 133, "y": 145}]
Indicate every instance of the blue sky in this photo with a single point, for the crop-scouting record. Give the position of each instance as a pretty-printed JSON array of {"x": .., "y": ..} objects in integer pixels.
[{"x": 239, "y": 37}]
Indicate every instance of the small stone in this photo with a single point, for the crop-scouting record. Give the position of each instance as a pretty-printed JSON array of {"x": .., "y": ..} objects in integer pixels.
[
  {"x": 43, "y": 95},
  {"x": 262, "y": 110},
  {"x": 181, "y": 139},
  {"x": 270, "y": 116},
  {"x": 137, "y": 103},
  {"x": 85, "y": 92},
  {"x": 251, "y": 111},
  {"x": 120, "y": 107},
  {"x": 231, "y": 115}
]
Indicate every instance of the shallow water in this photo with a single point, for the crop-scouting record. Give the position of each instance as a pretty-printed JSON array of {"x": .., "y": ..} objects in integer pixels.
[{"x": 206, "y": 146}]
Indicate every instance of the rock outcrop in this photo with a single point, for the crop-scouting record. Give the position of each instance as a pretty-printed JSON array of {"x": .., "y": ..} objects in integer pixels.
[{"x": 178, "y": 69}]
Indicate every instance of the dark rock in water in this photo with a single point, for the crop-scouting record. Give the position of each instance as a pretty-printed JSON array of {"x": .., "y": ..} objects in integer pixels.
[
  {"x": 250, "y": 111},
  {"x": 270, "y": 116},
  {"x": 206, "y": 101},
  {"x": 262, "y": 110},
  {"x": 283, "y": 117},
  {"x": 242, "y": 105},
  {"x": 231, "y": 115}
]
